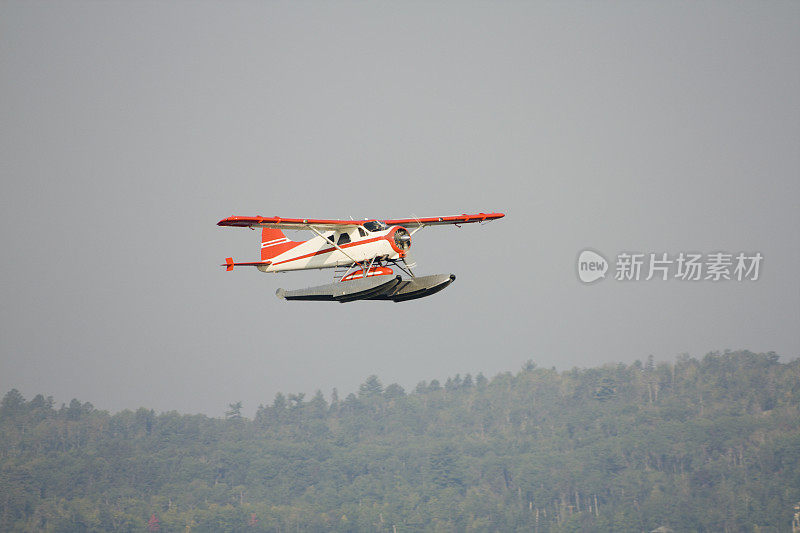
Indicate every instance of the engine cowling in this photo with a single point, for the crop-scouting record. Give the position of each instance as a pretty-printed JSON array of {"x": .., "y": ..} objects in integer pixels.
[{"x": 402, "y": 239}]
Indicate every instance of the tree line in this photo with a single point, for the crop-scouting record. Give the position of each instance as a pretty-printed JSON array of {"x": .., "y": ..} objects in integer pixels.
[{"x": 709, "y": 444}]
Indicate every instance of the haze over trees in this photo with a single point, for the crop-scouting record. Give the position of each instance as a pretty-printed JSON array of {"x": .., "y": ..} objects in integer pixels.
[{"x": 709, "y": 444}]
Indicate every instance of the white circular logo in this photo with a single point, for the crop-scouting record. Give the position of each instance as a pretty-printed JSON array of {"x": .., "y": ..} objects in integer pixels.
[{"x": 591, "y": 266}]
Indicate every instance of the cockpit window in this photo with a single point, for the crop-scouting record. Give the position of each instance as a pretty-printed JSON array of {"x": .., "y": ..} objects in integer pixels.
[
  {"x": 375, "y": 225},
  {"x": 344, "y": 238}
]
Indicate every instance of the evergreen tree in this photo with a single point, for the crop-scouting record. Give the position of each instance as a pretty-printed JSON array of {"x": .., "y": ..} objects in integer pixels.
[
  {"x": 235, "y": 411},
  {"x": 371, "y": 388}
]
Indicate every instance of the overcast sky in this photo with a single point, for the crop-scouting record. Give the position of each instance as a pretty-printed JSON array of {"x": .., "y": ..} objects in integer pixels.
[{"x": 128, "y": 129}]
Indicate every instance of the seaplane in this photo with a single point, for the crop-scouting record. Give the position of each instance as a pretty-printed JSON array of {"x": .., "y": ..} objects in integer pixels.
[{"x": 363, "y": 254}]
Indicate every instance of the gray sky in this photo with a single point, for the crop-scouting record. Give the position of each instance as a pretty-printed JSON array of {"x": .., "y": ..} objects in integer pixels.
[{"x": 128, "y": 129}]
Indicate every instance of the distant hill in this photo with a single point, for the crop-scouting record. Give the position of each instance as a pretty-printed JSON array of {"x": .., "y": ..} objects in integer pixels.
[{"x": 709, "y": 444}]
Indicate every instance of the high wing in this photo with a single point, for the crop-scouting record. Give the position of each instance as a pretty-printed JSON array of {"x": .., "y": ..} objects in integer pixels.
[
  {"x": 288, "y": 223},
  {"x": 324, "y": 224},
  {"x": 438, "y": 221}
]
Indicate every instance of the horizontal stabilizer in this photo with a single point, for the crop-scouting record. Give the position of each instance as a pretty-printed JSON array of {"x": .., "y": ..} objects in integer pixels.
[{"x": 229, "y": 264}]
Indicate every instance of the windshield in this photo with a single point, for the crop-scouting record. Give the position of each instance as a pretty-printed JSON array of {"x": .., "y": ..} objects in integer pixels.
[{"x": 375, "y": 225}]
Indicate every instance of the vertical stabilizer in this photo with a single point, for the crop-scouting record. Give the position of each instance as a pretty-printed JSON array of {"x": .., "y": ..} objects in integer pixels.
[{"x": 274, "y": 243}]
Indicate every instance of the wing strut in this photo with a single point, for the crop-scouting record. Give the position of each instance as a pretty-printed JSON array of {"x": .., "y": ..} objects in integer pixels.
[
  {"x": 421, "y": 225},
  {"x": 332, "y": 243}
]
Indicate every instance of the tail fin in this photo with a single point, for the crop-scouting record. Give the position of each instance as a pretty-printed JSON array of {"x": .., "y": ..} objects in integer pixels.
[{"x": 274, "y": 243}]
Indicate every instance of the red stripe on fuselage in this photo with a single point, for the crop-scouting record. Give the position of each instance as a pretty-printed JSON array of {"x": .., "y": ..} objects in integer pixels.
[{"x": 328, "y": 250}]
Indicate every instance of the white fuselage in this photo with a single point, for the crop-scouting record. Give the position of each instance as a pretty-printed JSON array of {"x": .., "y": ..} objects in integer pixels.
[{"x": 355, "y": 245}]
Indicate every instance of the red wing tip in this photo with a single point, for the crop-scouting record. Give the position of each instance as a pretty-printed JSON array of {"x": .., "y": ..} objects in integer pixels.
[{"x": 239, "y": 221}]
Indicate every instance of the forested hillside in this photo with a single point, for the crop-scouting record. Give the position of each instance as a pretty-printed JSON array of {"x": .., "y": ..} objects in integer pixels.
[{"x": 696, "y": 445}]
